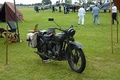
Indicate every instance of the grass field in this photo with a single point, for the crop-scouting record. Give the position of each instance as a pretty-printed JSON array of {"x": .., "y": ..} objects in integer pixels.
[{"x": 101, "y": 63}]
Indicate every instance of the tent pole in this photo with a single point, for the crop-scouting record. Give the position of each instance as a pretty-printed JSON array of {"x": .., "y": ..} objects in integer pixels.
[
  {"x": 7, "y": 46},
  {"x": 111, "y": 27},
  {"x": 17, "y": 22},
  {"x": 117, "y": 26}
]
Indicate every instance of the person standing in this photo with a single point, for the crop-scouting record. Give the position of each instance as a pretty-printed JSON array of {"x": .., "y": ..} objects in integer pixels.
[
  {"x": 81, "y": 14},
  {"x": 59, "y": 8},
  {"x": 95, "y": 12},
  {"x": 53, "y": 8},
  {"x": 36, "y": 9},
  {"x": 64, "y": 9},
  {"x": 114, "y": 13},
  {"x": 74, "y": 8}
]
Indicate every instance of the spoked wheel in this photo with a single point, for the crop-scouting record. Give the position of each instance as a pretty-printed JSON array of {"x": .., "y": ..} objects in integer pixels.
[{"x": 77, "y": 59}]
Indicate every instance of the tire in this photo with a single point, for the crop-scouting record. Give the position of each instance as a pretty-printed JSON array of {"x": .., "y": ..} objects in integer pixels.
[{"x": 77, "y": 61}]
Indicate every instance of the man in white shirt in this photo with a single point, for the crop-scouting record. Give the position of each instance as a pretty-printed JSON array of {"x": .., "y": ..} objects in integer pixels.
[
  {"x": 81, "y": 14},
  {"x": 114, "y": 13}
]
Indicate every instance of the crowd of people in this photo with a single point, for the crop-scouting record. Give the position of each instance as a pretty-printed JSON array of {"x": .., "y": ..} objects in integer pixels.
[
  {"x": 81, "y": 13},
  {"x": 95, "y": 12},
  {"x": 65, "y": 8}
]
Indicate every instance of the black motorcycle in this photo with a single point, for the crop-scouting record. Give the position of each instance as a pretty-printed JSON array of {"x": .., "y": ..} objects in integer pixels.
[{"x": 60, "y": 46}]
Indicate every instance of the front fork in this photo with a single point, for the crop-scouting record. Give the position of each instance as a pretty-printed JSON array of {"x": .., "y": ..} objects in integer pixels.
[{"x": 69, "y": 48}]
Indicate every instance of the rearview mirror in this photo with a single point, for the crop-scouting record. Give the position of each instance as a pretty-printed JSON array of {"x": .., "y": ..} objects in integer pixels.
[{"x": 51, "y": 19}]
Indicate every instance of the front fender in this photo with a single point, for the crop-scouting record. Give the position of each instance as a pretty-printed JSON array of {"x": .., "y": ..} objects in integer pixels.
[
  {"x": 77, "y": 44},
  {"x": 68, "y": 52}
]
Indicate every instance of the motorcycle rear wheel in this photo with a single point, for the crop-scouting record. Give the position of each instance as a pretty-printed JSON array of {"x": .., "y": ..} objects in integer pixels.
[{"x": 77, "y": 61}]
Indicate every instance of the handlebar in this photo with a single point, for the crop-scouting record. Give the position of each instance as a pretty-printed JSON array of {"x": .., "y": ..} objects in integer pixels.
[{"x": 64, "y": 30}]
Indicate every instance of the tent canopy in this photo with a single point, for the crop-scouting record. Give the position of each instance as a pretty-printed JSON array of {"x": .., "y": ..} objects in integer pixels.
[
  {"x": 7, "y": 13},
  {"x": 117, "y": 3}
]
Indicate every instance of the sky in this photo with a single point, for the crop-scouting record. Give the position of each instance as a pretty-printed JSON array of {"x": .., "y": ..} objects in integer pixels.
[{"x": 25, "y": 1}]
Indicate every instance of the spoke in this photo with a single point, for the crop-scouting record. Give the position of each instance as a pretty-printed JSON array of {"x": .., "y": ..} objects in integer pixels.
[{"x": 76, "y": 55}]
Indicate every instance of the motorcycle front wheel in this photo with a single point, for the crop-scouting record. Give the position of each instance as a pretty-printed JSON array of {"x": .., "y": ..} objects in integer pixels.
[{"x": 77, "y": 59}]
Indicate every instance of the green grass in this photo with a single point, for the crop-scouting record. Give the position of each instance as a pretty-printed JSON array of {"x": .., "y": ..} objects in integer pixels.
[{"x": 24, "y": 64}]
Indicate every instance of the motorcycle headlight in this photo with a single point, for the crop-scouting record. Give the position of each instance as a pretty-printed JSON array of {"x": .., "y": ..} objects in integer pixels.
[{"x": 71, "y": 32}]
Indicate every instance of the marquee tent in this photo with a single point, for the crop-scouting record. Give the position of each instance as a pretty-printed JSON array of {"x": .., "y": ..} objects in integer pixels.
[
  {"x": 7, "y": 13},
  {"x": 117, "y": 3}
]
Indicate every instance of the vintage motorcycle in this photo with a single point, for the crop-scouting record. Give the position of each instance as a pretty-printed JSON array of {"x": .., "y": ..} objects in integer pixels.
[{"x": 59, "y": 46}]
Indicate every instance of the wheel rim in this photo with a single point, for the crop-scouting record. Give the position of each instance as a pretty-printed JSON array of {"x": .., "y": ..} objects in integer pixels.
[{"x": 76, "y": 59}]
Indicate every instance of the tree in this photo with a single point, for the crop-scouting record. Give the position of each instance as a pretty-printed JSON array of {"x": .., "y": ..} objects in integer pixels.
[{"x": 45, "y": 2}]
